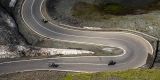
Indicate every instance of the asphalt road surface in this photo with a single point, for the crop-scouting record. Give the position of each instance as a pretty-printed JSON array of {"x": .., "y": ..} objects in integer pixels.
[{"x": 135, "y": 48}]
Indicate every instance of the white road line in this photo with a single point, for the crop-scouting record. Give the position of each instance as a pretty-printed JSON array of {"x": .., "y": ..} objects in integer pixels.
[
  {"x": 98, "y": 64},
  {"x": 56, "y": 59}
]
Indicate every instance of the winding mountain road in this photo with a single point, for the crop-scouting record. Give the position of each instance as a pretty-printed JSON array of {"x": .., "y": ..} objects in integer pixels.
[{"x": 135, "y": 48}]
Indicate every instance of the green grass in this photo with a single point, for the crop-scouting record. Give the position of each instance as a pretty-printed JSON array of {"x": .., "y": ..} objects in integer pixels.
[
  {"x": 90, "y": 11},
  {"x": 115, "y": 9},
  {"x": 78, "y": 76},
  {"x": 86, "y": 11},
  {"x": 139, "y": 74}
]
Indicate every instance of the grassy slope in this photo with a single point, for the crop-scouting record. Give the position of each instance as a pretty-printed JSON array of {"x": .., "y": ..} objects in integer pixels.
[
  {"x": 89, "y": 11},
  {"x": 124, "y": 75},
  {"x": 138, "y": 74}
]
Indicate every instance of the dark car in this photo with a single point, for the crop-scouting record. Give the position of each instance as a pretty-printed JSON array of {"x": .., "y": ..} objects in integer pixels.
[
  {"x": 53, "y": 65},
  {"x": 45, "y": 21},
  {"x": 111, "y": 62}
]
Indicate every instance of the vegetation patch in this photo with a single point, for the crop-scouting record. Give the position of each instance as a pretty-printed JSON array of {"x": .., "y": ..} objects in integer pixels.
[
  {"x": 85, "y": 10},
  {"x": 114, "y": 8},
  {"x": 88, "y": 11},
  {"x": 138, "y": 74}
]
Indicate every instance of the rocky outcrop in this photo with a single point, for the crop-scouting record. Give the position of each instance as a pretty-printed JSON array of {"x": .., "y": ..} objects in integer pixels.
[
  {"x": 8, "y": 30},
  {"x": 12, "y": 51},
  {"x": 8, "y": 35},
  {"x": 12, "y": 43}
]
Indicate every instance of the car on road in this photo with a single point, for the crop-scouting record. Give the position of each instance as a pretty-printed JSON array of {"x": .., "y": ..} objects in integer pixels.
[
  {"x": 53, "y": 65},
  {"x": 45, "y": 21},
  {"x": 111, "y": 62}
]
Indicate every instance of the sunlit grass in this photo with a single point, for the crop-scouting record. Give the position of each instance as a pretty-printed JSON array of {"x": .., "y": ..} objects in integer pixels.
[{"x": 139, "y": 74}]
